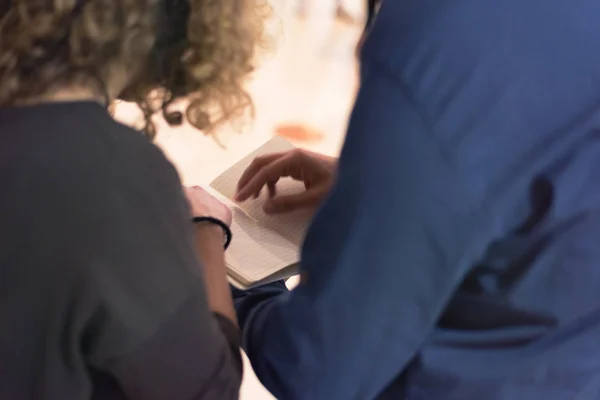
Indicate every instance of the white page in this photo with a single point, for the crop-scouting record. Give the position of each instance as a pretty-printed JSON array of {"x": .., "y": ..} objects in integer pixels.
[
  {"x": 256, "y": 251},
  {"x": 293, "y": 225}
]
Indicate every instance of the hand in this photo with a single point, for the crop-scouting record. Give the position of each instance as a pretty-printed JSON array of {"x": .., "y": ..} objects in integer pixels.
[
  {"x": 203, "y": 204},
  {"x": 316, "y": 171}
]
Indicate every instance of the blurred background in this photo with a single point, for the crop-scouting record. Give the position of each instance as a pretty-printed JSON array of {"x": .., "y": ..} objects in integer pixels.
[{"x": 303, "y": 89}]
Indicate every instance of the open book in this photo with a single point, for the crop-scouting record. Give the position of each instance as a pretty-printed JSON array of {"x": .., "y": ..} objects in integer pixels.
[{"x": 264, "y": 248}]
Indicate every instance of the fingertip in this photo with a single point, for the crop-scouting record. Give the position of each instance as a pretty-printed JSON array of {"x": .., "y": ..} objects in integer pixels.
[
  {"x": 272, "y": 190},
  {"x": 239, "y": 197},
  {"x": 240, "y": 184}
]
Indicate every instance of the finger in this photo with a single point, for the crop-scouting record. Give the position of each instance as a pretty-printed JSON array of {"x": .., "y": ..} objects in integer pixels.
[
  {"x": 272, "y": 189},
  {"x": 283, "y": 204},
  {"x": 271, "y": 172},
  {"x": 255, "y": 166}
]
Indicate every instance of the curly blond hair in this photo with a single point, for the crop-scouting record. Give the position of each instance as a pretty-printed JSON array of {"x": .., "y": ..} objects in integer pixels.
[{"x": 198, "y": 50}]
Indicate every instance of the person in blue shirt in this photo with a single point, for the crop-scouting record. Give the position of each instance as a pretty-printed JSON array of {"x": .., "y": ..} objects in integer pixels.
[{"x": 457, "y": 254}]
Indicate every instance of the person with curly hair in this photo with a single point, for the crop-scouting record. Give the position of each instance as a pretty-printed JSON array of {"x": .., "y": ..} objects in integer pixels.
[{"x": 107, "y": 287}]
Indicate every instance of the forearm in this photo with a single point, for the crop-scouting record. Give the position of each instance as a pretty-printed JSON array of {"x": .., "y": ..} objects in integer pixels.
[
  {"x": 209, "y": 243},
  {"x": 247, "y": 302}
]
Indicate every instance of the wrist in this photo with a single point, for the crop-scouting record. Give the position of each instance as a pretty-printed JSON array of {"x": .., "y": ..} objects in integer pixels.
[
  {"x": 209, "y": 233},
  {"x": 208, "y": 227},
  {"x": 209, "y": 245},
  {"x": 214, "y": 223}
]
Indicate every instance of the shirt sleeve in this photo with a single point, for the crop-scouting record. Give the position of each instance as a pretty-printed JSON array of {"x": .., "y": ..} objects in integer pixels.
[
  {"x": 381, "y": 259},
  {"x": 148, "y": 322},
  {"x": 186, "y": 358}
]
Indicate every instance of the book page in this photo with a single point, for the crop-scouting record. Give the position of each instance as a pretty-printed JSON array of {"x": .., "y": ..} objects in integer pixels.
[
  {"x": 291, "y": 226},
  {"x": 284, "y": 273},
  {"x": 256, "y": 251}
]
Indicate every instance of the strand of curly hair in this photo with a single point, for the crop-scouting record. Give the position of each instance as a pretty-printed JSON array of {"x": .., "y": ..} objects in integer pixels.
[{"x": 46, "y": 44}]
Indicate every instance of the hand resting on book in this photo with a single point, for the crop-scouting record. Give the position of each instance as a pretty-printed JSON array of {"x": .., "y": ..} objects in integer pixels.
[
  {"x": 204, "y": 204},
  {"x": 266, "y": 245},
  {"x": 316, "y": 171}
]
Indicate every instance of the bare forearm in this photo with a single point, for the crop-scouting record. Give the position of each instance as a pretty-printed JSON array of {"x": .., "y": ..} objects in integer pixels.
[{"x": 209, "y": 242}]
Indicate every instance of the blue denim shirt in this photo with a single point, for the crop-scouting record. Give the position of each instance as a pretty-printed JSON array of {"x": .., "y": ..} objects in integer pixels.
[{"x": 458, "y": 255}]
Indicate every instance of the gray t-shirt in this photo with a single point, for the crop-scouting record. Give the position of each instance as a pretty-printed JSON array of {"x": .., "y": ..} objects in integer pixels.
[{"x": 100, "y": 289}]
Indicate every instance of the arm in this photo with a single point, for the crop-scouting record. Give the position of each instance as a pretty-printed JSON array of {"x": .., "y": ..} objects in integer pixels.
[
  {"x": 153, "y": 325},
  {"x": 382, "y": 258},
  {"x": 209, "y": 242}
]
